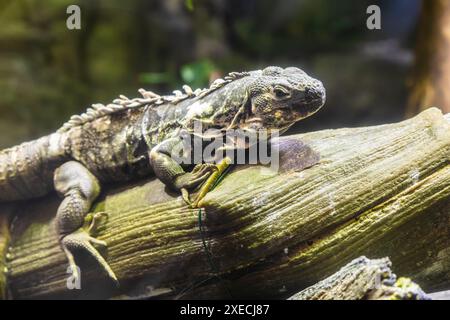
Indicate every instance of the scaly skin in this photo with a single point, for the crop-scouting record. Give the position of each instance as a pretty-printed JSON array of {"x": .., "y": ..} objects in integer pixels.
[{"x": 134, "y": 138}]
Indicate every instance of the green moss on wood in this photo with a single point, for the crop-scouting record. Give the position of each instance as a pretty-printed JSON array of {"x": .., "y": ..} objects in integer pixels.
[{"x": 377, "y": 191}]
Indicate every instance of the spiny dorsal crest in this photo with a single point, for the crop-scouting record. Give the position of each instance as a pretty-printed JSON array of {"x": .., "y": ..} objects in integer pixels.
[{"x": 98, "y": 110}]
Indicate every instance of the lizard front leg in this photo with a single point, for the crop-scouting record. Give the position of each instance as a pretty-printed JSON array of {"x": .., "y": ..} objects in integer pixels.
[
  {"x": 80, "y": 188},
  {"x": 172, "y": 173}
]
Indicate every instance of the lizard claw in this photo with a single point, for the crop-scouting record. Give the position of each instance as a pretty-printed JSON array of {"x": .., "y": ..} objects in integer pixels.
[
  {"x": 212, "y": 179},
  {"x": 92, "y": 221},
  {"x": 194, "y": 179},
  {"x": 185, "y": 195},
  {"x": 204, "y": 166},
  {"x": 190, "y": 180},
  {"x": 82, "y": 240}
]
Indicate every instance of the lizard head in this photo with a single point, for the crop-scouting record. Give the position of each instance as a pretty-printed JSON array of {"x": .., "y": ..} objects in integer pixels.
[
  {"x": 277, "y": 98},
  {"x": 272, "y": 100}
]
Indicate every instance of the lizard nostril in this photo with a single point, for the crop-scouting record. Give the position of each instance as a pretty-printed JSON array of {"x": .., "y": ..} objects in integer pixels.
[
  {"x": 312, "y": 93},
  {"x": 315, "y": 91}
]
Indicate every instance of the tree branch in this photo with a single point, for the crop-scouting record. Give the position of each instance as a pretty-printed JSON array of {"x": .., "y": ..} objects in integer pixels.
[
  {"x": 376, "y": 191},
  {"x": 363, "y": 279}
]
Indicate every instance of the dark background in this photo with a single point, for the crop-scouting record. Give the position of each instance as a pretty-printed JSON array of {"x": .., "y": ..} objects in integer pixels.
[{"x": 48, "y": 73}]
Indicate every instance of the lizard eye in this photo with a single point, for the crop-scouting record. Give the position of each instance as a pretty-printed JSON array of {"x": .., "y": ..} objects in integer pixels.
[{"x": 281, "y": 92}]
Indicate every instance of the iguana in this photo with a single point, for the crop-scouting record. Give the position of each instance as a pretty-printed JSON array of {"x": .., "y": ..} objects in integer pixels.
[{"x": 133, "y": 138}]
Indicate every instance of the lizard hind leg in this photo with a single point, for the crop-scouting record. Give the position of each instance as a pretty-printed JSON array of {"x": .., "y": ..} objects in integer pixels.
[{"x": 80, "y": 188}]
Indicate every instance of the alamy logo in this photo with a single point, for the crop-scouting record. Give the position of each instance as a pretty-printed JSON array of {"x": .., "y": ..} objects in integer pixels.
[
  {"x": 73, "y": 21},
  {"x": 74, "y": 280},
  {"x": 374, "y": 20}
]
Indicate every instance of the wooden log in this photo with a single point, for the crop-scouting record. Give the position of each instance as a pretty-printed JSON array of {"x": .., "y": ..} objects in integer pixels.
[
  {"x": 4, "y": 241},
  {"x": 441, "y": 295},
  {"x": 363, "y": 279},
  {"x": 376, "y": 191}
]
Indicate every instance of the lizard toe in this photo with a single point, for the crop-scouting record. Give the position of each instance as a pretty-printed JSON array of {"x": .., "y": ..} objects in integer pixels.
[{"x": 81, "y": 240}]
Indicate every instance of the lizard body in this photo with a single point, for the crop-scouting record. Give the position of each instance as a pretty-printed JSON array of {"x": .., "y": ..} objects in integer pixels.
[{"x": 133, "y": 138}]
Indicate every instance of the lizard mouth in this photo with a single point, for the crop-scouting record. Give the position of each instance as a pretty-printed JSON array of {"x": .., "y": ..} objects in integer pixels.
[{"x": 311, "y": 108}]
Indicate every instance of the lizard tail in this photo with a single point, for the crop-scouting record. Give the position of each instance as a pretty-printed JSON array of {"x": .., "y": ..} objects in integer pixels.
[{"x": 26, "y": 170}]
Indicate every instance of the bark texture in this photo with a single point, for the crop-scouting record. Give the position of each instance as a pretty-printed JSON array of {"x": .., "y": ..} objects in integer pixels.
[
  {"x": 376, "y": 191},
  {"x": 364, "y": 279}
]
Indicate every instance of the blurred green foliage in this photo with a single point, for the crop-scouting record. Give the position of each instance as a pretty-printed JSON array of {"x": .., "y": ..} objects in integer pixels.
[
  {"x": 197, "y": 74},
  {"x": 49, "y": 72},
  {"x": 189, "y": 4}
]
